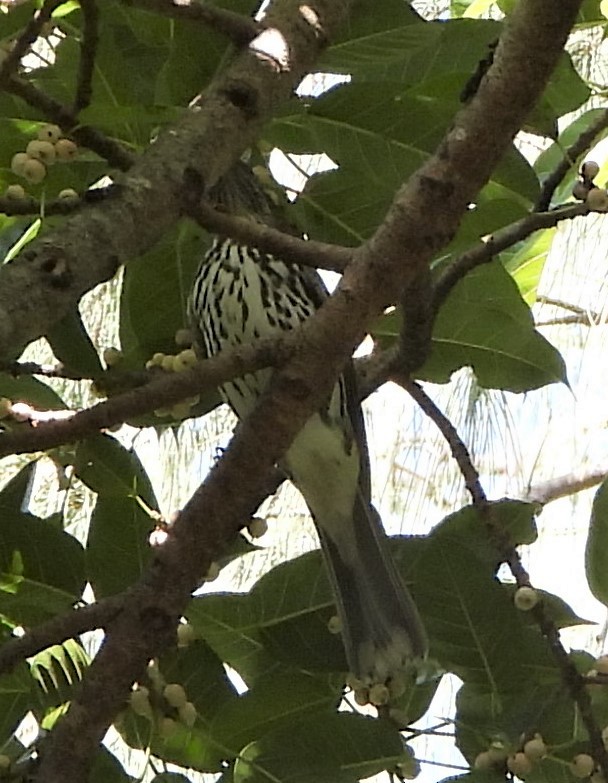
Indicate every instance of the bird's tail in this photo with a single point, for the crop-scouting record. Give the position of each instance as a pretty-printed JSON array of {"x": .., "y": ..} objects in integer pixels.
[{"x": 381, "y": 628}]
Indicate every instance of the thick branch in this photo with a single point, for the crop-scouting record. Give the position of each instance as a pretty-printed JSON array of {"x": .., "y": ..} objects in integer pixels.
[{"x": 207, "y": 140}]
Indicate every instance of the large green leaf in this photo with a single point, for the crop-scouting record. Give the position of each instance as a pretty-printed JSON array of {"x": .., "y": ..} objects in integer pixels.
[
  {"x": 118, "y": 548},
  {"x": 155, "y": 293},
  {"x": 338, "y": 747},
  {"x": 42, "y": 566},
  {"x": 271, "y": 702},
  {"x": 596, "y": 550},
  {"x": 379, "y": 134},
  {"x": 30, "y": 390},
  {"x": 73, "y": 346},
  {"x": 15, "y": 698},
  {"x": 485, "y": 324}
]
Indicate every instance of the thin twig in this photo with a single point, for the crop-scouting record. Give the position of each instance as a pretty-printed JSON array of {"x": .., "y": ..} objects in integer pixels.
[
  {"x": 270, "y": 240},
  {"x": 574, "y": 151},
  {"x": 160, "y": 393},
  {"x": 112, "y": 151},
  {"x": 27, "y": 37},
  {"x": 88, "y": 52},
  {"x": 238, "y": 28},
  {"x": 58, "y": 630},
  {"x": 506, "y": 237},
  {"x": 574, "y": 681}
]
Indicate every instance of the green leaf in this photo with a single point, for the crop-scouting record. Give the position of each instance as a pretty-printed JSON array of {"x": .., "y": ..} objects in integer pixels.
[
  {"x": 155, "y": 292},
  {"x": 72, "y": 345},
  {"x": 58, "y": 671},
  {"x": 596, "y": 549},
  {"x": 553, "y": 155},
  {"x": 50, "y": 574},
  {"x": 470, "y": 618},
  {"x": 15, "y": 699},
  {"x": 485, "y": 324},
  {"x": 272, "y": 701},
  {"x": 118, "y": 549},
  {"x": 526, "y": 264},
  {"x": 379, "y": 134},
  {"x": 107, "y": 468},
  {"x": 30, "y": 390},
  {"x": 338, "y": 747},
  {"x": 202, "y": 674},
  {"x": 106, "y": 768}
]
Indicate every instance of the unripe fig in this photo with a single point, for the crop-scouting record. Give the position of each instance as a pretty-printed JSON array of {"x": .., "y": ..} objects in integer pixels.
[
  {"x": 65, "y": 150},
  {"x": 526, "y": 598},
  {"x": 42, "y": 150},
  {"x": 582, "y": 765},
  {"x": 50, "y": 133},
  {"x": 34, "y": 170}
]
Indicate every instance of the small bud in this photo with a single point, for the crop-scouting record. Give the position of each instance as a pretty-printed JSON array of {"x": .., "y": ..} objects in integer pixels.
[
  {"x": 15, "y": 193},
  {"x": 535, "y": 749},
  {"x": 589, "y": 170},
  {"x": 112, "y": 356},
  {"x": 41, "y": 150},
  {"x": 187, "y": 358},
  {"x": 526, "y": 598},
  {"x": 140, "y": 703},
  {"x": 50, "y": 133},
  {"x": 183, "y": 338},
  {"x": 483, "y": 760},
  {"x": 379, "y": 695},
  {"x": 181, "y": 410},
  {"x": 65, "y": 150},
  {"x": 597, "y": 200},
  {"x": 258, "y": 527},
  {"x": 185, "y": 635},
  {"x": 580, "y": 190},
  {"x": 519, "y": 764},
  {"x": 175, "y": 694},
  {"x": 34, "y": 171},
  {"x": 68, "y": 196},
  {"x": 187, "y": 714},
  {"x": 18, "y": 161},
  {"x": 362, "y": 697},
  {"x": 213, "y": 572},
  {"x": 334, "y": 624},
  {"x": 167, "y": 727},
  {"x": 582, "y": 765}
]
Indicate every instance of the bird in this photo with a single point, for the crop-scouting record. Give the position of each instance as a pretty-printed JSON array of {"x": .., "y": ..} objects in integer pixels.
[{"x": 241, "y": 294}]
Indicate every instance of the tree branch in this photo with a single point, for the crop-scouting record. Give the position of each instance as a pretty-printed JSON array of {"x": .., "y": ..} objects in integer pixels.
[
  {"x": 562, "y": 486},
  {"x": 573, "y": 681},
  {"x": 238, "y": 28},
  {"x": 88, "y": 52},
  {"x": 270, "y": 240},
  {"x": 28, "y": 36},
  {"x": 422, "y": 219},
  {"x": 85, "y": 135},
  {"x": 58, "y": 630},
  {"x": 574, "y": 151},
  {"x": 506, "y": 237},
  {"x": 158, "y": 393}
]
